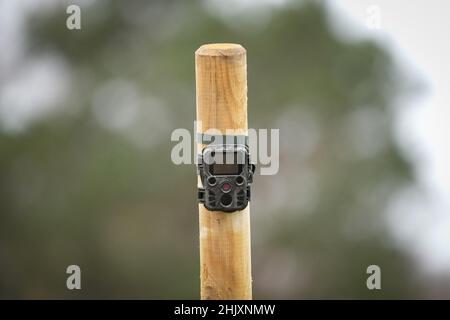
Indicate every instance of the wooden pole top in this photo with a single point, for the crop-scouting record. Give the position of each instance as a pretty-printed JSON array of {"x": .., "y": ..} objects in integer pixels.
[{"x": 220, "y": 49}]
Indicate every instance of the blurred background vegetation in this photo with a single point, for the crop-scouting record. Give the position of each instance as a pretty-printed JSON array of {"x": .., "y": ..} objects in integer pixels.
[{"x": 90, "y": 181}]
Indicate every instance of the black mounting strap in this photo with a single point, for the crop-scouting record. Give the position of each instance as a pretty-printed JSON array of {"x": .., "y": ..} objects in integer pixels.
[
  {"x": 201, "y": 195},
  {"x": 222, "y": 139}
]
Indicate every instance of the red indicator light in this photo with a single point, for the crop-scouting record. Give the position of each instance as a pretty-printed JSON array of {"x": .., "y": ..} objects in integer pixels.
[{"x": 226, "y": 186}]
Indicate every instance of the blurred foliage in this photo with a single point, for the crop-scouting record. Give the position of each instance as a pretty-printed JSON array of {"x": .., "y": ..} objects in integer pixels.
[{"x": 76, "y": 192}]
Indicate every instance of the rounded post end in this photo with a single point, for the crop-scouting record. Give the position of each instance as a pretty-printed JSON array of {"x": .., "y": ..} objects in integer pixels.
[{"x": 220, "y": 49}]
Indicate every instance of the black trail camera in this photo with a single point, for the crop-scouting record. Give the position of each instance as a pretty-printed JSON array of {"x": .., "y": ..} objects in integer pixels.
[{"x": 226, "y": 174}]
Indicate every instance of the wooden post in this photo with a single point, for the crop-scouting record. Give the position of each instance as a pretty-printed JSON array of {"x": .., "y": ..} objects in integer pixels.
[{"x": 225, "y": 255}]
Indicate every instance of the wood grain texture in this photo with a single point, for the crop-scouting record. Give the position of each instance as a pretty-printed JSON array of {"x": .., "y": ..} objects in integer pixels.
[
  {"x": 221, "y": 78},
  {"x": 225, "y": 250}
]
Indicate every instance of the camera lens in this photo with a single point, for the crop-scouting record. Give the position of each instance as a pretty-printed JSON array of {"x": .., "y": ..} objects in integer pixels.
[
  {"x": 240, "y": 180},
  {"x": 212, "y": 181},
  {"x": 226, "y": 187},
  {"x": 226, "y": 200}
]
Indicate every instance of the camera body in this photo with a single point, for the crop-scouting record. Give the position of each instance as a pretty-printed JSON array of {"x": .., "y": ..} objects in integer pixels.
[{"x": 226, "y": 174}]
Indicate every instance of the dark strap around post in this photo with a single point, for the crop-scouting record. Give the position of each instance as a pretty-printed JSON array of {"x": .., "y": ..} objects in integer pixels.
[{"x": 222, "y": 139}]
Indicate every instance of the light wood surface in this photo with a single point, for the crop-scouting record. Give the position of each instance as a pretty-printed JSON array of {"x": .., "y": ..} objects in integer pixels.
[{"x": 225, "y": 251}]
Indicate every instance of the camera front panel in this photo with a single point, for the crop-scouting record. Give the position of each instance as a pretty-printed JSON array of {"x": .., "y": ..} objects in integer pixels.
[{"x": 226, "y": 175}]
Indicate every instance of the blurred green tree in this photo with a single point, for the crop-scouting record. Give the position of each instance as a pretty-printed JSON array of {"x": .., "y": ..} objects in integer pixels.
[{"x": 86, "y": 186}]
